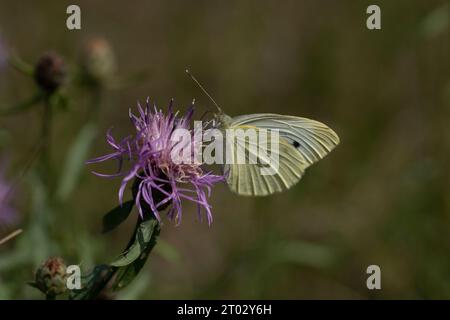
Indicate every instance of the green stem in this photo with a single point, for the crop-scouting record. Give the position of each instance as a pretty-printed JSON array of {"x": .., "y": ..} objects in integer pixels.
[{"x": 47, "y": 119}]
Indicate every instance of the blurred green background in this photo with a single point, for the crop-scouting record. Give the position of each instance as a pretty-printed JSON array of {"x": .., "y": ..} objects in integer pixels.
[{"x": 381, "y": 197}]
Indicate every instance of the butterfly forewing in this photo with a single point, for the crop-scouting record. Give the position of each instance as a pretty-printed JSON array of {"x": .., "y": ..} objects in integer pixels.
[{"x": 312, "y": 138}]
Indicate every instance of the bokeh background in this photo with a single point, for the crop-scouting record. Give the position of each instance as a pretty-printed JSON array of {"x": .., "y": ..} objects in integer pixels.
[{"x": 380, "y": 198}]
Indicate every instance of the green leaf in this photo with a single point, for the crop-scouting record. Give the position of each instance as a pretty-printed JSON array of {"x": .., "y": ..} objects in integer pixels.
[
  {"x": 75, "y": 161},
  {"x": 33, "y": 284},
  {"x": 93, "y": 283},
  {"x": 142, "y": 241},
  {"x": 116, "y": 216},
  {"x": 21, "y": 65},
  {"x": 22, "y": 106},
  {"x": 127, "y": 273},
  {"x": 125, "y": 269}
]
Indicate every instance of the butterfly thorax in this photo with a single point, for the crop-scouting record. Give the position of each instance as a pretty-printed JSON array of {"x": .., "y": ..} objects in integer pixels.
[{"x": 223, "y": 121}]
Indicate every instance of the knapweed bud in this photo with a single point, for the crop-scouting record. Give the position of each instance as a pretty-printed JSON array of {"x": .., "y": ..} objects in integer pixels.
[
  {"x": 50, "y": 72},
  {"x": 51, "y": 277},
  {"x": 98, "y": 61}
]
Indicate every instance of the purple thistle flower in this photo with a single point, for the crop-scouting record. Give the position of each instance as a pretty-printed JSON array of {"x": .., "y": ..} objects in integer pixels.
[{"x": 158, "y": 180}]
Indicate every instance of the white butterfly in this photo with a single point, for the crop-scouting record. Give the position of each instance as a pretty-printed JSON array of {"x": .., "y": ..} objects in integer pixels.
[{"x": 302, "y": 142}]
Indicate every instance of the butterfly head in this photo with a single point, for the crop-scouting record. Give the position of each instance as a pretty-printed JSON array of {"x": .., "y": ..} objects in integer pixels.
[{"x": 221, "y": 120}]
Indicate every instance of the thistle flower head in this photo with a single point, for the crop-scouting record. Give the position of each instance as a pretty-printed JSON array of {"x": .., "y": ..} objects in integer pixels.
[{"x": 159, "y": 180}]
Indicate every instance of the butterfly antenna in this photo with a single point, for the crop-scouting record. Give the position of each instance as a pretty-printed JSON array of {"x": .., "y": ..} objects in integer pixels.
[
  {"x": 204, "y": 91},
  {"x": 205, "y": 114}
]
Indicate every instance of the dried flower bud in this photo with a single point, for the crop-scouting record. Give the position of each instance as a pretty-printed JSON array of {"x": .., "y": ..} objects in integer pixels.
[
  {"x": 51, "y": 277},
  {"x": 98, "y": 60},
  {"x": 50, "y": 72}
]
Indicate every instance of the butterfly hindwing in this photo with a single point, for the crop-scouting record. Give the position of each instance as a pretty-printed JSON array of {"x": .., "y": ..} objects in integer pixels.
[{"x": 247, "y": 179}]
